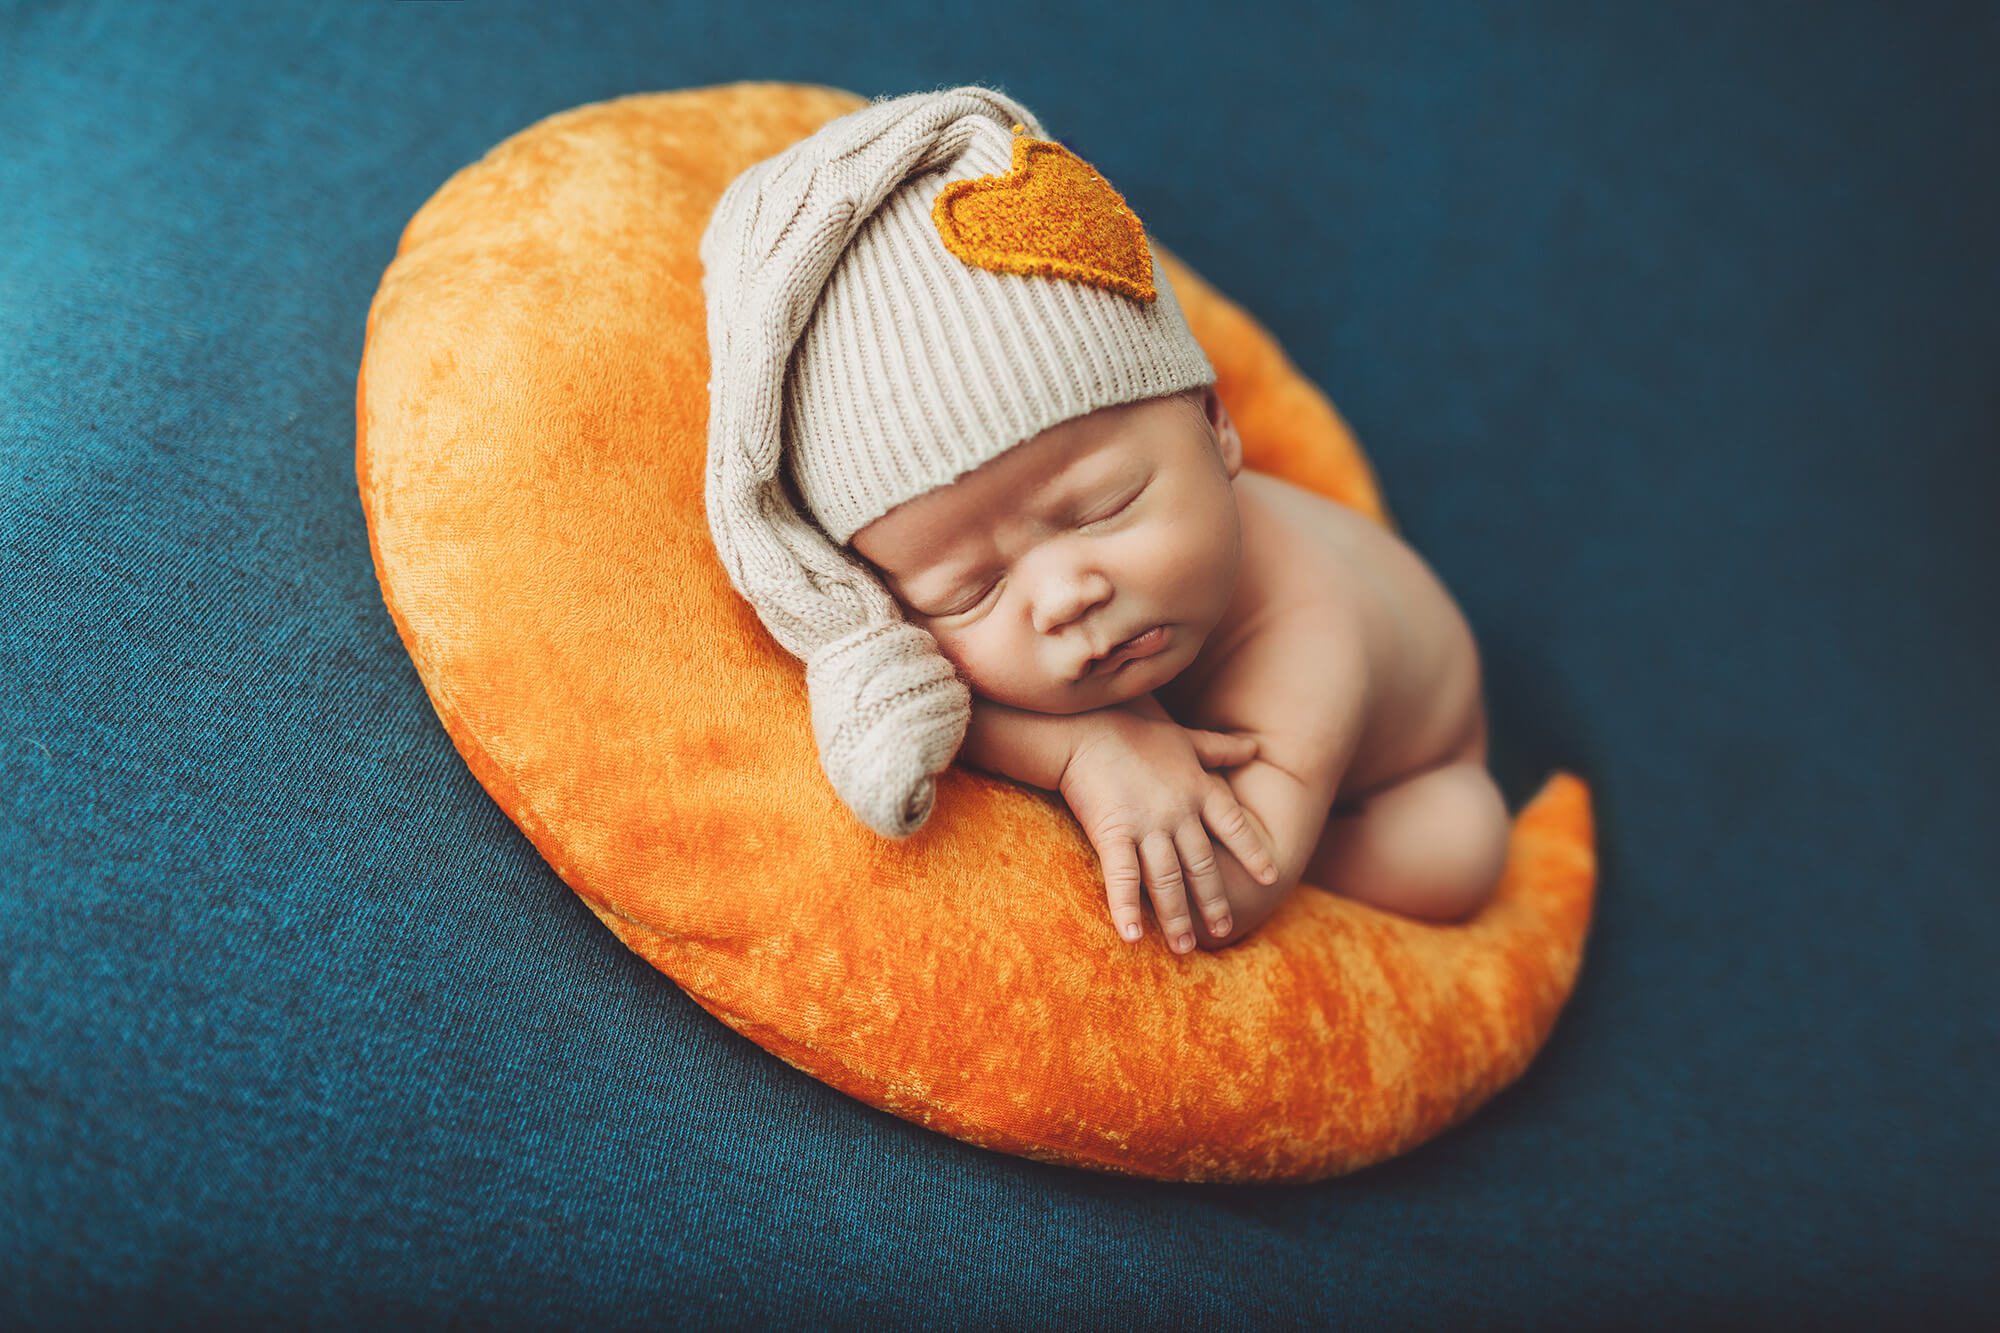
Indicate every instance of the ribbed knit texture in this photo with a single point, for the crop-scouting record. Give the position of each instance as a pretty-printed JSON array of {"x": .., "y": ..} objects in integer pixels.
[
  {"x": 852, "y": 352},
  {"x": 918, "y": 366}
]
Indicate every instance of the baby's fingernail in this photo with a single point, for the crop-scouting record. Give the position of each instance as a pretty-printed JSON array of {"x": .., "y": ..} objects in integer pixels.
[
  {"x": 1131, "y": 930},
  {"x": 1222, "y": 925},
  {"x": 1182, "y": 943}
]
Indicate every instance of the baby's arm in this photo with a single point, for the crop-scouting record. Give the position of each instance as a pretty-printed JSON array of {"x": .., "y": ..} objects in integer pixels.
[
  {"x": 1288, "y": 790},
  {"x": 1147, "y": 706},
  {"x": 1034, "y": 747},
  {"x": 1289, "y": 817},
  {"x": 1025, "y": 745}
]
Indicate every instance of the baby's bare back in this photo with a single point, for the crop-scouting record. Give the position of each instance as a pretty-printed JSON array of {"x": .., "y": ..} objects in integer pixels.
[{"x": 1318, "y": 576}]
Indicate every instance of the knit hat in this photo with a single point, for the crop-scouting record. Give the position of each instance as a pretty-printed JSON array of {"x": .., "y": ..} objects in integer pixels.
[{"x": 910, "y": 291}]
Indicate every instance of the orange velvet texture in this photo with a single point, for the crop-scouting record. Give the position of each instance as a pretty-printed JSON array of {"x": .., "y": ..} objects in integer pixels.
[{"x": 532, "y": 412}]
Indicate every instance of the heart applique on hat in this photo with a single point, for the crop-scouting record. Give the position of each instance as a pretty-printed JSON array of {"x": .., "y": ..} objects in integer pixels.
[{"x": 1052, "y": 215}]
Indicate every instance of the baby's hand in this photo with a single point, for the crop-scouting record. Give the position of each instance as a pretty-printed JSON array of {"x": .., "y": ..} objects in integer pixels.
[{"x": 1141, "y": 791}]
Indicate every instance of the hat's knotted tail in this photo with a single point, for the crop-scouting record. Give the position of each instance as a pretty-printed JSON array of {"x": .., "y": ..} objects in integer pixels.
[
  {"x": 889, "y": 710},
  {"x": 888, "y": 713}
]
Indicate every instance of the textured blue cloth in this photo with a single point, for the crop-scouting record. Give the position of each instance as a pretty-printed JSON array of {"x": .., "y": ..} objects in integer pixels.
[{"x": 1673, "y": 336}]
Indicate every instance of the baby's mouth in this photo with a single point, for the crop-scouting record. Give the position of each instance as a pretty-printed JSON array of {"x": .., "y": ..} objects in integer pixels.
[{"x": 1142, "y": 644}]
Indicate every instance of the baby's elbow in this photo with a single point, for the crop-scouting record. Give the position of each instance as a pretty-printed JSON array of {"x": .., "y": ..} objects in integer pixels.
[
  {"x": 1251, "y": 904},
  {"x": 1240, "y": 930},
  {"x": 1236, "y": 936}
]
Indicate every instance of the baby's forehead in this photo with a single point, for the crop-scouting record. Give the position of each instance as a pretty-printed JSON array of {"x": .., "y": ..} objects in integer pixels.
[
  {"x": 1059, "y": 476},
  {"x": 1055, "y": 476}
]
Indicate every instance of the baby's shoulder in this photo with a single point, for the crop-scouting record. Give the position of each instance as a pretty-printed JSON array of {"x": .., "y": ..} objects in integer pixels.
[
  {"x": 1293, "y": 670},
  {"x": 1296, "y": 681}
]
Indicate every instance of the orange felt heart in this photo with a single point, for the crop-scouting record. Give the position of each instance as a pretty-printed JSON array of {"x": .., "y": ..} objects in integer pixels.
[{"x": 1051, "y": 214}]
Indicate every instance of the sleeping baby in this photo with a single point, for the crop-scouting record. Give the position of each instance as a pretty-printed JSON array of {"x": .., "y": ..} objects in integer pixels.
[
  {"x": 1123, "y": 572},
  {"x": 968, "y": 461}
]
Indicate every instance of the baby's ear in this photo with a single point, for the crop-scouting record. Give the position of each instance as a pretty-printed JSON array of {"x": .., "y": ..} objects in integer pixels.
[{"x": 1216, "y": 413}]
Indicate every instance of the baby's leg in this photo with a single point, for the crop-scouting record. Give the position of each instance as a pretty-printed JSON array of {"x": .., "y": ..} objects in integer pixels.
[{"x": 1431, "y": 846}]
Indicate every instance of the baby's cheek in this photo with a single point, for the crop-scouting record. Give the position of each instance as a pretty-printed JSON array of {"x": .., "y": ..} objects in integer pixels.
[{"x": 950, "y": 645}]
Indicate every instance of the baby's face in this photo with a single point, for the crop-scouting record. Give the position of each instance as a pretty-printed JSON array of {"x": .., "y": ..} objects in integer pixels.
[{"x": 1039, "y": 562}]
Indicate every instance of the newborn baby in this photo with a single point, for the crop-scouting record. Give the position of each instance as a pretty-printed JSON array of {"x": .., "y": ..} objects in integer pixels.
[
  {"x": 968, "y": 463},
  {"x": 1131, "y": 606}
]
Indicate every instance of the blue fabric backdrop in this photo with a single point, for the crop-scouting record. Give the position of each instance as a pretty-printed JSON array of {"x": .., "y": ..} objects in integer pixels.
[{"x": 1672, "y": 331}]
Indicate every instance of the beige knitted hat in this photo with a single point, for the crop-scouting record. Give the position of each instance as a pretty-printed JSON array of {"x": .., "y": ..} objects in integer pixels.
[{"x": 913, "y": 289}]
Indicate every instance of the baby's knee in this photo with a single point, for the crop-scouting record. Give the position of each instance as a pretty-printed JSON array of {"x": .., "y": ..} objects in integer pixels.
[
  {"x": 1467, "y": 832},
  {"x": 1432, "y": 847}
]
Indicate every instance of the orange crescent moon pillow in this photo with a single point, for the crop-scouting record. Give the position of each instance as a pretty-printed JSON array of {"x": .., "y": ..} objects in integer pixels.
[{"x": 531, "y": 437}]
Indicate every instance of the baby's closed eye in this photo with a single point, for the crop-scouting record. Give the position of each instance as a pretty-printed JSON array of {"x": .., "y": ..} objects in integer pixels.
[{"x": 972, "y": 601}]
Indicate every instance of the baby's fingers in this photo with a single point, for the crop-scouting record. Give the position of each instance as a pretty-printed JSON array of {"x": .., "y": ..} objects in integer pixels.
[
  {"x": 1122, "y": 885},
  {"x": 1204, "y": 875},
  {"x": 1170, "y": 901},
  {"x": 1225, "y": 815},
  {"x": 1222, "y": 749}
]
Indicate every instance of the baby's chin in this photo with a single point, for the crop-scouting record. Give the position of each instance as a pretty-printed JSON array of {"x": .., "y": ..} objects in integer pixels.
[{"x": 1065, "y": 697}]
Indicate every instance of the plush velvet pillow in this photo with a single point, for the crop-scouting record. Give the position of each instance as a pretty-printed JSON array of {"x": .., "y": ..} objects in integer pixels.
[{"x": 530, "y": 446}]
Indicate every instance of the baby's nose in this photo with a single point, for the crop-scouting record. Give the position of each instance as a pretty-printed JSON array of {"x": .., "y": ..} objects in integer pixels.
[{"x": 1063, "y": 595}]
